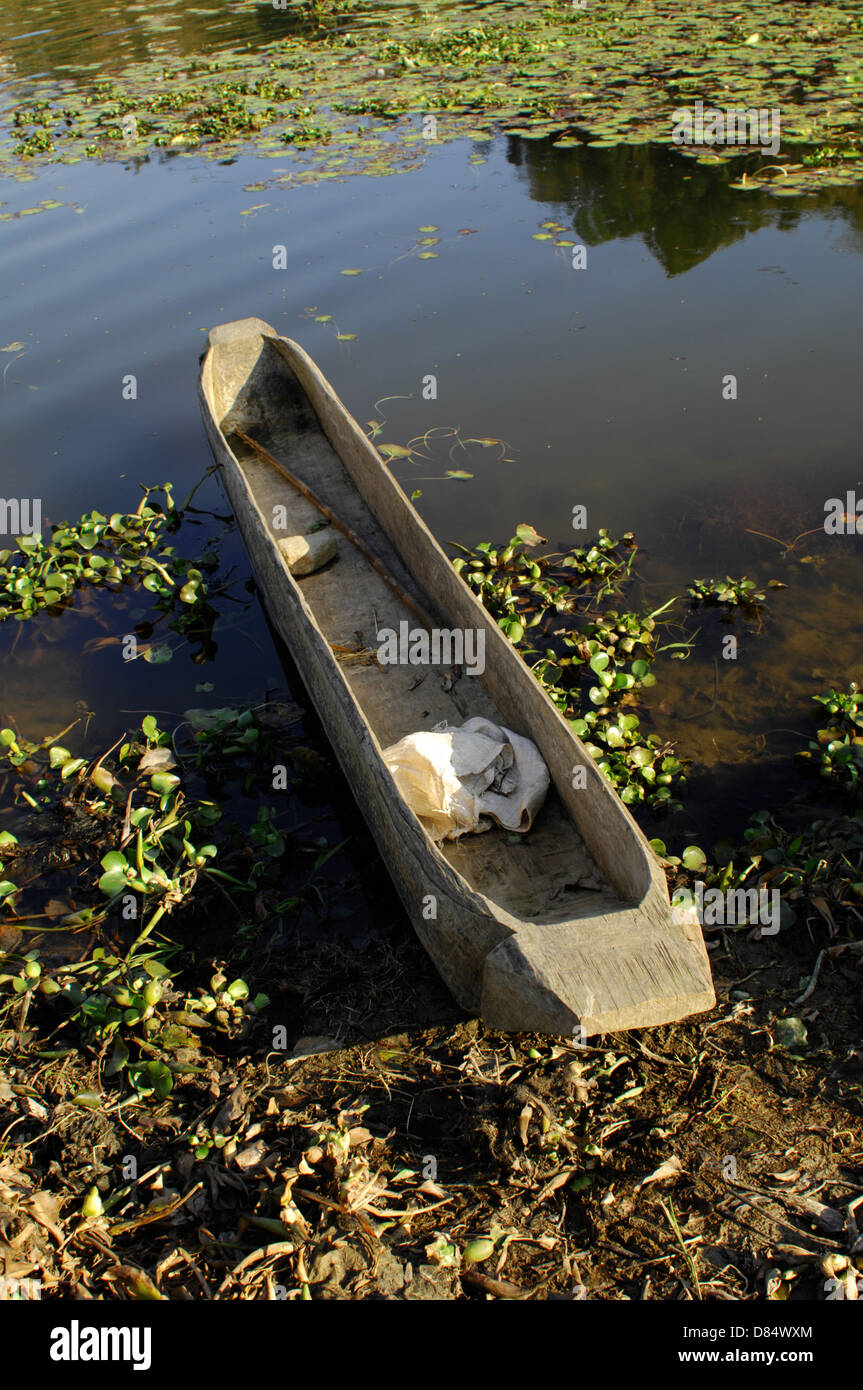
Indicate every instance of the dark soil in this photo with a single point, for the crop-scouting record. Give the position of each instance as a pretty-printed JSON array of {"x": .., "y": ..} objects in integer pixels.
[{"x": 697, "y": 1161}]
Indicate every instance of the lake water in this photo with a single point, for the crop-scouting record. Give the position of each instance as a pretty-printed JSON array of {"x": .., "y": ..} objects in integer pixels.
[{"x": 604, "y": 382}]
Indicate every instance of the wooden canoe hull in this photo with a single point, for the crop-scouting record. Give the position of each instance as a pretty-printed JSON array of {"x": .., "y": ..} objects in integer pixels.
[{"x": 620, "y": 961}]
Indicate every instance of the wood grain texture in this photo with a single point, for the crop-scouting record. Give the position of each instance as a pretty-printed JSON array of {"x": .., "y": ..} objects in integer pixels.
[{"x": 567, "y": 927}]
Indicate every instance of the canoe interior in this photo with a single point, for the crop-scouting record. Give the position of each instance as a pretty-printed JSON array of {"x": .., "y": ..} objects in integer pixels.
[{"x": 546, "y": 876}]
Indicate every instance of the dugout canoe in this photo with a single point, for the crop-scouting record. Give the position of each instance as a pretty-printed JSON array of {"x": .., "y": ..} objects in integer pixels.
[{"x": 566, "y": 930}]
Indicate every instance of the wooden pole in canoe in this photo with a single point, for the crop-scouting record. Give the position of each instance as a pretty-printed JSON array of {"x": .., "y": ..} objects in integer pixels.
[{"x": 340, "y": 525}]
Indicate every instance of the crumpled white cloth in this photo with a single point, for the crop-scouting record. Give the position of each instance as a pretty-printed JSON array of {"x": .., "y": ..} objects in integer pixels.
[{"x": 459, "y": 780}]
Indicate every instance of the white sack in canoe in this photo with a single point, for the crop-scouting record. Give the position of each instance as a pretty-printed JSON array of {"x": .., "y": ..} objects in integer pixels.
[{"x": 459, "y": 780}]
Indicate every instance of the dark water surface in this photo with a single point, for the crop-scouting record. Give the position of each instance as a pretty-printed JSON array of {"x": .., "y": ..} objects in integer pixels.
[{"x": 605, "y": 383}]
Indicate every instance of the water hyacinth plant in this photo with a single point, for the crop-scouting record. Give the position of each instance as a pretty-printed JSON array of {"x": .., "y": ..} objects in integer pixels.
[
  {"x": 593, "y": 663},
  {"x": 147, "y": 851},
  {"x": 836, "y": 753},
  {"x": 108, "y": 849},
  {"x": 819, "y": 863},
  {"x": 733, "y": 593},
  {"x": 133, "y": 865},
  {"x": 108, "y": 551}
]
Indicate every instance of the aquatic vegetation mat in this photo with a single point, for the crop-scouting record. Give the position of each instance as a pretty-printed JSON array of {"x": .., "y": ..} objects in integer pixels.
[
  {"x": 592, "y": 661},
  {"x": 371, "y": 87},
  {"x": 99, "y": 550},
  {"x": 97, "y": 855}
]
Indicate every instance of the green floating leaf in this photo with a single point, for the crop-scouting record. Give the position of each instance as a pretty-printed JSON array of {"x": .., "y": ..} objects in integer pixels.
[
  {"x": 163, "y": 782},
  {"x": 113, "y": 882},
  {"x": 158, "y": 654},
  {"x": 525, "y": 533},
  {"x": 118, "y": 1059},
  {"x": 102, "y": 779},
  {"x": 354, "y": 270}
]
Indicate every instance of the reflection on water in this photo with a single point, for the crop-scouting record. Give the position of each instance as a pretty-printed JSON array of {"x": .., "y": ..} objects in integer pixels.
[
  {"x": 56, "y": 38},
  {"x": 683, "y": 215},
  {"x": 61, "y": 38}
]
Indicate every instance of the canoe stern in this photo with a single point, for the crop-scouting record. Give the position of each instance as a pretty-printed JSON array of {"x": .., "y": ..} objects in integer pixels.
[{"x": 630, "y": 969}]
